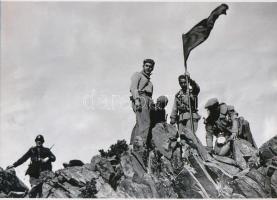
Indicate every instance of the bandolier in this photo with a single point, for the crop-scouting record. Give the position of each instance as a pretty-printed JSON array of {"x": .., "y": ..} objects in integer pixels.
[{"x": 180, "y": 112}]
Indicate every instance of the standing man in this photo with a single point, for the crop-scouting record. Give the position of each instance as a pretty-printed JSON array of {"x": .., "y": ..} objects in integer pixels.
[
  {"x": 180, "y": 112},
  {"x": 142, "y": 89},
  {"x": 41, "y": 158},
  {"x": 181, "y": 115}
]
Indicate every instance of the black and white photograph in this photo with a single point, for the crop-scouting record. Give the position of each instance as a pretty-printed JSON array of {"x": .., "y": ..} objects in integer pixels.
[{"x": 138, "y": 99}]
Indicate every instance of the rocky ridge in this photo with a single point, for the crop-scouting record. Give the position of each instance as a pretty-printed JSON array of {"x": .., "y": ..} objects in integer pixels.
[{"x": 120, "y": 173}]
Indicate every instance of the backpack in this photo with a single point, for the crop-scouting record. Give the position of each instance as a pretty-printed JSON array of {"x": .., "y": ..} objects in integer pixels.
[{"x": 245, "y": 132}]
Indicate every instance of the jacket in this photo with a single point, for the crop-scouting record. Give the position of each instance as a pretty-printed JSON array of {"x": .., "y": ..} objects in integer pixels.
[
  {"x": 140, "y": 83},
  {"x": 180, "y": 110},
  {"x": 36, "y": 154},
  {"x": 222, "y": 121}
]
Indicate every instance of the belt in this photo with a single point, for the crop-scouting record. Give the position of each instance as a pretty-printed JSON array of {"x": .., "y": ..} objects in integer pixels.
[
  {"x": 142, "y": 94},
  {"x": 145, "y": 93}
]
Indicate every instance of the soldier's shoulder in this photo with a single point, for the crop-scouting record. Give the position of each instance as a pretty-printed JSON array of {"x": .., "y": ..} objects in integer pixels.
[
  {"x": 32, "y": 148},
  {"x": 46, "y": 148},
  {"x": 137, "y": 74}
]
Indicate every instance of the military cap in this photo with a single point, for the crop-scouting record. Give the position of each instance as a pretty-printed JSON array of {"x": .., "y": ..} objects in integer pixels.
[
  {"x": 163, "y": 100},
  {"x": 148, "y": 60},
  {"x": 40, "y": 138},
  {"x": 211, "y": 102}
]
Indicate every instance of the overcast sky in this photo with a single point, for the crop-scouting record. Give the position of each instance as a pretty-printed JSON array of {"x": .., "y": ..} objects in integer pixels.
[{"x": 66, "y": 68}]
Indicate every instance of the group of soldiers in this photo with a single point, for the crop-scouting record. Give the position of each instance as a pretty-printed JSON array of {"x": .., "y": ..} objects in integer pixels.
[{"x": 223, "y": 122}]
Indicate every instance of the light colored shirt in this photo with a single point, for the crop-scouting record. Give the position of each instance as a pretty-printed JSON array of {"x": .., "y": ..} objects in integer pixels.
[{"x": 140, "y": 83}]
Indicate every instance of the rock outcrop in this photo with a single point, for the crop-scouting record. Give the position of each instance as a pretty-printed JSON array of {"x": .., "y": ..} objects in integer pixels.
[
  {"x": 10, "y": 185},
  {"x": 181, "y": 174}
]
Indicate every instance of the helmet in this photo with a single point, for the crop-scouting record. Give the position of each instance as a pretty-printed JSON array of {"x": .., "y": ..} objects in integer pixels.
[
  {"x": 211, "y": 103},
  {"x": 39, "y": 138}
]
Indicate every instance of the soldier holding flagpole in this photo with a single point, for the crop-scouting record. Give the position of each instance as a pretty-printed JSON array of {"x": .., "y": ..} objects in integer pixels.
[
  {"x": 188, "y": 122},
  {"x": 198, "y": 34}
]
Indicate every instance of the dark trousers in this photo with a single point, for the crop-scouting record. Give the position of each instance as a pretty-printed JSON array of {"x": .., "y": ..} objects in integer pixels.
[{"x": 36, "y": 185}]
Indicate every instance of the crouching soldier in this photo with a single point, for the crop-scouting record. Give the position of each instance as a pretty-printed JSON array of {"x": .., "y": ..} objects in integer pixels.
[
  {"x": 221, "y": 124},
  {"x": 41, "y": 158}
]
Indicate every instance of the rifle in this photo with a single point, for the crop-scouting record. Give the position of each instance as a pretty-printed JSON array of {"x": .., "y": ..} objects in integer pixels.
[{"x": 52, "y": 146}]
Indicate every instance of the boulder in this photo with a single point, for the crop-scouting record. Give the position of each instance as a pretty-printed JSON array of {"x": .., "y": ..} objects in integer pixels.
[
  {"x": 131, "y": 189},
  {"x": 164, "y": 138},
  {"x": 165, "y": 188},
  {"x": 274, "y": 185},
  {"x": 225, "y": 160},
  {"x": 245, "y": 154},
  {"x": 248, "y": 188},
  {"x": 202, "y": 175},
  {"x": 95, "y": 160},
  {"x": 186, "y": 184},
  {"x": 77, "y": 176},
  {"x": 220, "y": 169},
  {"x": 11, "y": 184},
  {"x": 106, "y": 191},
  {"x": 189, "y": 138},
  {"x": 73, "y": 163},
  {"x": 70, "y": 182},
  {"x": 268, "y": 150},
  {"x": 105, "y": 168}
]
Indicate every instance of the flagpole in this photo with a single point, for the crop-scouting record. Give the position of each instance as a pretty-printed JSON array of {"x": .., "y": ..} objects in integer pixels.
[
  {"x": 188, "y": 92},
  {"x": 198, "y": 34}
]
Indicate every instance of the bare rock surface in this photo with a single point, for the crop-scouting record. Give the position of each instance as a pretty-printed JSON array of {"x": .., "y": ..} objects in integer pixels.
[
  {"x": 10, "y": 185},
  {"x": 169, "y": 173}
]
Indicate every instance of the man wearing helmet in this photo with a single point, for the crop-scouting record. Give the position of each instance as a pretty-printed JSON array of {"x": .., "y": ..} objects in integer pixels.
[
  {"x": 142, "y": 89},
  {"x": 220, "y": 123},
  {"x": 41, "y": 158}
]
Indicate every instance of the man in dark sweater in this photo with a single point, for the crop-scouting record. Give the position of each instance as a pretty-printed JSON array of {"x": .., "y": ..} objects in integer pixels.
[{"x": 41, "y": 158}]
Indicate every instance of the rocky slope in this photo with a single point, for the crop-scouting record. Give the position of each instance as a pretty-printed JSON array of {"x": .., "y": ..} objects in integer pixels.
[
  {"x": 121, "y": 172},
  {"x": 10, "y": 185}
]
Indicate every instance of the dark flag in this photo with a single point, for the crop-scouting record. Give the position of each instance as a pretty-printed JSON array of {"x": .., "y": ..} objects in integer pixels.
[{"x": 200, "y": 32}]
